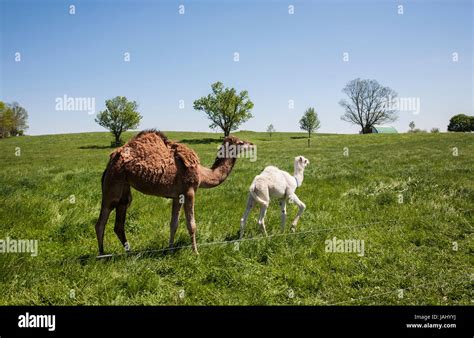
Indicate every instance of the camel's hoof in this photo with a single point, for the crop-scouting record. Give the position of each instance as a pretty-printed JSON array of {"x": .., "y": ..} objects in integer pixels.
[
  {"x": 293, "y": 229},
  {"x": 126, "y": 246}
]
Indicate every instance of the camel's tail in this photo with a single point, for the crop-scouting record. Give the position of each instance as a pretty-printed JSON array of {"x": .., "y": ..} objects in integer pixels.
[
  {"x": 253, "y": 193},
  {"x": 102, "y": 179},
  {"x": 113, "y": 157}
]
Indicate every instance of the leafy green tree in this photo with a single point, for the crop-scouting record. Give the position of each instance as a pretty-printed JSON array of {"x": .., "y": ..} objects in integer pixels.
[
  {"x": 412, "y": 125},
  {"x": 310, "y": 121},
  {"x": 120, "y": 115},
  {"x": 226, "y": 108},
  {"x": 20, "y": 119},
  {"x": 271, "y": 129},
  {"x": 13, "y": 119},
  {"x": 461, "y": 122},
  {"x": 5, "y": 120}
]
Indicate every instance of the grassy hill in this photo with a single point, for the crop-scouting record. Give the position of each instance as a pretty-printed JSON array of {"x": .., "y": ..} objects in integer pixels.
[{"x": 408, "y": 246}]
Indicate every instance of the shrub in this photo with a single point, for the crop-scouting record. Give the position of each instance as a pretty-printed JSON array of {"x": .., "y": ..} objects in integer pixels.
[
  {"x": 417, "y": 131},
  {"x": 461, "y": 123}
]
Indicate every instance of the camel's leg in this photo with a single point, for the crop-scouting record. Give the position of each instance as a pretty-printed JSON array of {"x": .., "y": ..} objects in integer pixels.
[
  {"x": 301, "y": 207},
  {"x": 243, "y": 220},
  {"x": 112, "y": 191},
  {"x": 261, "y": 218},
  {"x": 190, "y": 222},
  {"x": 174, "y": 220},
  {"x": 121, "y": 211},
  {"x": 100, "y": 226},
  {"x": 283, "y": 213}
]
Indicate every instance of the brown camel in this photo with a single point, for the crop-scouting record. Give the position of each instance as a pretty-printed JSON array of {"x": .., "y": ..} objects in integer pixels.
[{"x": 155, "y": 165}]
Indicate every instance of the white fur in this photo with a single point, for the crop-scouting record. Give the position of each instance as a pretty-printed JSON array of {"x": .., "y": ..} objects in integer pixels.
[{"x": 275, "y": 183}]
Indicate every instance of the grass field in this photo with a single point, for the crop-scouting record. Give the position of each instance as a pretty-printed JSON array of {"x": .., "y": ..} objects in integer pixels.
[{"x": 408, "y": 246}]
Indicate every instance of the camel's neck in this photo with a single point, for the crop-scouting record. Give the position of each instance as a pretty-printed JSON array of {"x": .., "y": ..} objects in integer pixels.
[
  {"x": 298, "y": 173},
  {"x": 212, "y": 177}
]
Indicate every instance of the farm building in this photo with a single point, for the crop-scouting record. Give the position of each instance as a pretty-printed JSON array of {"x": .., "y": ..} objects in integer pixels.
[{"x": 384, "y": 130}]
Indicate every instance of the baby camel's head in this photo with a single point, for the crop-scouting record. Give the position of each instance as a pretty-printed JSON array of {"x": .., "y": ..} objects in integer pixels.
[{"x": 300, "y": 163}]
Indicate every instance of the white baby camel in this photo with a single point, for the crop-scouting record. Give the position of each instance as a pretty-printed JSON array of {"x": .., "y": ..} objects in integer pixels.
[{"x": 275, "y": 183}]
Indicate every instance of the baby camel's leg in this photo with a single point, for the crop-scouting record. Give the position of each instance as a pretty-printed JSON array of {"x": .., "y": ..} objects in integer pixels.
[
  {"x": 261, "y": 218},
  {"x": 261, "y": 194},
  {"x": 283, "y": 213},
  {"x": 301, "y": 207},
  {"x": 243, "y": 220}
]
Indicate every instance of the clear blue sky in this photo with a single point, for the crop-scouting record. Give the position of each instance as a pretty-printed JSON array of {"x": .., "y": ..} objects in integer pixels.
[{"x": 282, "y": 57}]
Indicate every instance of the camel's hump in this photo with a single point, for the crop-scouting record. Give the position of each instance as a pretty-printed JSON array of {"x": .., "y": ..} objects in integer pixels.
[
  {"x": 150, "y": 133},
  {"x": 187, "y": 155},
  {"x": 189, "y": 158},
  {"x": 151, "y": 144}
]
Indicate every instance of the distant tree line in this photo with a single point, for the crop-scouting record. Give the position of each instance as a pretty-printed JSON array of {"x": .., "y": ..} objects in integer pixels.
[
  {"x": 414, "y": 130},
  {"x": 457, "y": 123},
  {"x": 369, "y": 103},
  {"x": 13, "y": 119}
]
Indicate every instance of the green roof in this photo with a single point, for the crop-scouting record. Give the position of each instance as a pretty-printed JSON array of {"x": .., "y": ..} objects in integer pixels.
[{"x": 384, "y": 130}]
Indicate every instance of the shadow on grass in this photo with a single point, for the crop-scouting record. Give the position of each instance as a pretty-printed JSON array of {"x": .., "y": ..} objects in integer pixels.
[
  {"x": 96, "y": 147},
  {"x": 84, "y": 259},
  {"x": 148, "y": 252},
  {"x": 298, "y": 137},
  {"x": 232, "y": 238},
  {"x": 206, "y": 140}
]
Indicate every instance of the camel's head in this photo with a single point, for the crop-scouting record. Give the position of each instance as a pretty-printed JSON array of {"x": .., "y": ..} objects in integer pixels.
[
  {"x": 301, "y": 162},
  {"x": 238, "y": 144}
]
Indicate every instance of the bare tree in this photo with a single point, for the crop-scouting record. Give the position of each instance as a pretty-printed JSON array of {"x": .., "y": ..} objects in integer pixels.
[{"x": 369, "y": 104}]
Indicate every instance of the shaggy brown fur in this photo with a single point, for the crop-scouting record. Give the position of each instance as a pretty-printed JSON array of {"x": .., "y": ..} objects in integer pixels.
[{"x": 155, "y": 165}]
